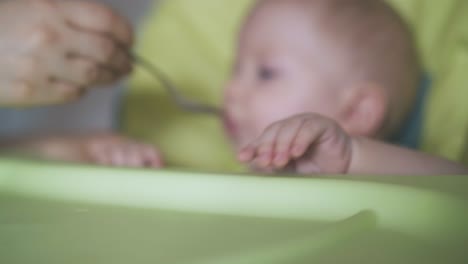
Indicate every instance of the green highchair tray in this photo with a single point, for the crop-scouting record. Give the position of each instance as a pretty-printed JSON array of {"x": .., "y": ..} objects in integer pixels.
[{"x": 54, "y": 213}]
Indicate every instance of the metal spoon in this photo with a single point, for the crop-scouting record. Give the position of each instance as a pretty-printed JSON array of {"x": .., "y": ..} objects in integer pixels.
[{"x": 184, "y": 103}]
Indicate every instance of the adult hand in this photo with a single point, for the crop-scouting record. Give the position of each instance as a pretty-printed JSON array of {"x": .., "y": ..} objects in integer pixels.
[{"x": 53, "y": 50}]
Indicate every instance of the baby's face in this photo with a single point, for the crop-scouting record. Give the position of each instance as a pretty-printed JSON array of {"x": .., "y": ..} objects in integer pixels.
[{"x": 280, "y": 71}]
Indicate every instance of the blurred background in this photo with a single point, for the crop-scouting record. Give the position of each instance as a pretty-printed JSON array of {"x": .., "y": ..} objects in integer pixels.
[{"x": 96, "y": 111}]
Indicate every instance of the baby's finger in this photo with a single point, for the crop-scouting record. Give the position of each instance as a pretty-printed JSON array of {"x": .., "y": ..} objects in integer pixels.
[
  {"x": 247, "y": 154},
  {"x": 103, "y": 160},
  {"x": 119, "y": 156},
  {"x": 284, "y": 142},
  {"x": 99, "y": 154},
  {"x": 151, "y": 157},
  {"x": 265, "y": 146},
  {"x": 133, "y": 156},
  {"x": 307, "y": 135}
]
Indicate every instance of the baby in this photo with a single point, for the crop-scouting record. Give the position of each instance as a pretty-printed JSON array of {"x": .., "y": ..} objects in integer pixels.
[{"x": 319, "y": 85}]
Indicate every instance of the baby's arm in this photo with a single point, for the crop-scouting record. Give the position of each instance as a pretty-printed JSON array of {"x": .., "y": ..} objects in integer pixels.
[
  {"x": 371, "y": 156},
  {"x": 103, "y": 149},
  {"x": 311, "y": 144}
]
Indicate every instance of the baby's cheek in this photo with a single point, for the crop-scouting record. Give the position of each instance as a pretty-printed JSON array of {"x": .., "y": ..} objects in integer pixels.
[
  {"x": 269, "y": 114},
  {"x": 260, "y": 112}
]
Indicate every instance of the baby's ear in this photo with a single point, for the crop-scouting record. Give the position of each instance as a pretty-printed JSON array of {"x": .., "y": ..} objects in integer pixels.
[{"x": 363, "y": 109}]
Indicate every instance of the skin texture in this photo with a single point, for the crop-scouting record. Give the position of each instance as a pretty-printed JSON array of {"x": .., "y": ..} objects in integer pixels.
[
  {"x": 307, "y": 97},
  {"x": 101, "y": 148},
  {"x": 54, "y": 50}
]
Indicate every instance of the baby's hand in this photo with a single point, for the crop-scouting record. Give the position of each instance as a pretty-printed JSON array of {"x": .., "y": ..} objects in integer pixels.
[
  {"x": 306, "y": 143},
  {"x": 114, "y": 150},
  {"x": 103, "y": 149}
]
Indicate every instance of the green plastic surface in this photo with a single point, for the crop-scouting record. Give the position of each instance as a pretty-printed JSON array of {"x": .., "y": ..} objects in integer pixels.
[{"x": 58, "y": 213}]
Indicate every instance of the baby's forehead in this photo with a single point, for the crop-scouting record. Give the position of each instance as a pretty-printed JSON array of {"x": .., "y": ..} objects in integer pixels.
[
  {"x": 268, "y": 9},
  {"x": 308, "y": 8},
  {"x": 277, "y": 15},
  {"x": 281, "y": 16},
  {"x": 323, "y": 13},
  {"x": 337, "y": 21},
  {"x": 272, "y": 20}
]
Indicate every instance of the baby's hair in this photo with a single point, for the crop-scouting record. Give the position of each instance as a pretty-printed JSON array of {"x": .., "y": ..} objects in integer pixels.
[{"x": 384, "y": 52}]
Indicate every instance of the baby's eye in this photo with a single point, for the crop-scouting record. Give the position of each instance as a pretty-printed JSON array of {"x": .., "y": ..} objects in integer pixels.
[{"x": 266, "y": 73}]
